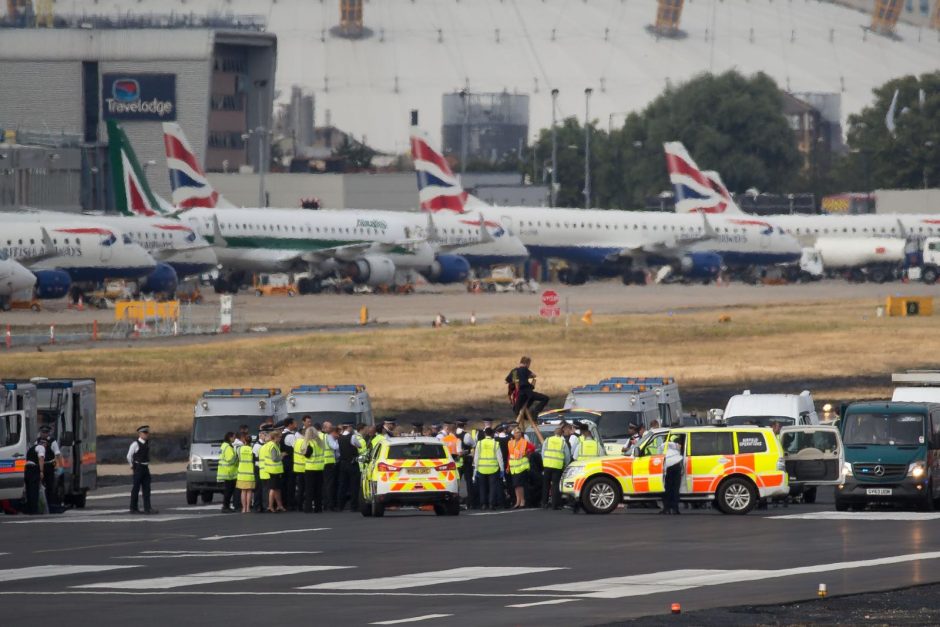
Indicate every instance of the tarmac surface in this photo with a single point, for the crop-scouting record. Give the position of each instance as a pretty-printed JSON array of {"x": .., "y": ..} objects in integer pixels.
[
  {"x": 192, "y": 563},
  {"x": 602, "y": 297}
]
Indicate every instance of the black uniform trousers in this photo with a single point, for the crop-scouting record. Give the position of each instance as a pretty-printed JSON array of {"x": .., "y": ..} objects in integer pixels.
[
  {"x": 672, "y": 484},
  {"x": 49, "y": 479},
  {"x": 329, "y": 486},
  {"x": 535, "y": 401},
  {"x": 490, "y": 488},
  {"x": 141, "y": 484},
  {"x": 31, "y": 478},
  {"x": 551, "y": 480},
  {"x": 348, "y": 487},
  {"x": 228, "y": 492},
  {"x": 259, "y": 504},
  {"x": 313, "y": 491},
  {"x": 299, "y": 488},
  {"x": 287, "y": 485}
]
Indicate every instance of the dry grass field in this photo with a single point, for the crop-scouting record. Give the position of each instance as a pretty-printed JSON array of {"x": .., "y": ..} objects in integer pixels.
[{"x": 442, "y": 370}]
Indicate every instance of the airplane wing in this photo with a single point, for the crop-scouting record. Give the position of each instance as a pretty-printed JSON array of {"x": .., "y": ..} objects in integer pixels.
[{"x": 669, "y": 246}]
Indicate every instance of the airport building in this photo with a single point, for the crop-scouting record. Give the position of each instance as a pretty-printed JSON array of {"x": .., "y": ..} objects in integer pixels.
[{"x": 65, "y": 83}]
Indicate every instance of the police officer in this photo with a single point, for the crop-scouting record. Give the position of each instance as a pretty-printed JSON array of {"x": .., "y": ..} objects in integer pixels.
[
  {"x": 138, "y": 457},
  {"x": 555, "y": 456},
  {"x": 489, "y": 469},
  {"x": 53, "y": 467},
  {"x": 260, "y": 498},
  {"x": 673, "y": 470},
  {"x": 468, "y": 441},
  {"x": 34, "y": 473},
  {"x": 330, "y": 450},
  {"x": 348, "y": 468},
  {"x": 288, "y": 486},
  {"x": 227, "y": 474}
]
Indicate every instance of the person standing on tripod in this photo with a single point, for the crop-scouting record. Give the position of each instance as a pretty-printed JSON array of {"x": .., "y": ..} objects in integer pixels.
[{"x": 522, "y": 394}]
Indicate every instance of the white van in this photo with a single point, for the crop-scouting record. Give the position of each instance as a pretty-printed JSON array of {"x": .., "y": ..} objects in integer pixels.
[
  {"x": 764, "y": 409},
  {"x": 922, "y": 386}
]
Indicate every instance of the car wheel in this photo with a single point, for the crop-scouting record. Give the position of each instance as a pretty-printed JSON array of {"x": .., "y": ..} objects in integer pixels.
[
  {"x": 841, "y": 506},
  {"x": 191, "y": 497},
  {"x": 809, "y": 496},
  {"x": 365, "y": 509},
  {"x": 439, "y": 509},
  {"x": 929, "y": 276},
  {"x": 453, "y": 508},
  {"x": 378, "y": 510},
  {"x": 927, "y": 502},
  {"x": 737, "y": 496},
  {"x": 207, "y": 496},
  {"x": 601, "y": 495}
]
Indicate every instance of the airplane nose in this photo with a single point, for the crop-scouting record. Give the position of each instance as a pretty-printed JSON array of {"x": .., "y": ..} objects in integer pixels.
[{"x": 22, "y": 279}]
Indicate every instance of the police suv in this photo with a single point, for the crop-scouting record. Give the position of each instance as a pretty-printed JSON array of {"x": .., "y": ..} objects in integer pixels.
[{"x": 217, "y": 412}]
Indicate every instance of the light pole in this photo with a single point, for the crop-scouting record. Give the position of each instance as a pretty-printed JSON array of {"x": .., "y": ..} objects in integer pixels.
[
  {"x": 587, "y": 147},
  {"x": 261, "y": 131},
  {"x": 553, "y": 195},
  {"x": 927, "y": 144},
  {"x": 465, "y": 99}
]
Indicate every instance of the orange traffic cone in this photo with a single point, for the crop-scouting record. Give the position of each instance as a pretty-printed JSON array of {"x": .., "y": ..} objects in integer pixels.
[{"x": 588, "y": 317}]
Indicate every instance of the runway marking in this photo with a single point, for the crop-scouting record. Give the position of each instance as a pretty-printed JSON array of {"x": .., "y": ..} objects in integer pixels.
[
  {"x": 127, "y": 495},
  {"x": 266, "y": 533},
  {"x": 127, "y": 518},
  {"x": 293, "y": 593},
  {"x": 212, "y": 576},
  {"x": 508, "y": 511},
  {"x": 411, "y": 620},
  {"x": 549, "y": 602},
  {"x": 54, "y": 570},
  {"x": 430, "y": 578},
  {"x": 907, "y": 516},
  {"x": 674, "y": 580},
  {"x": 177, "y": 554}
]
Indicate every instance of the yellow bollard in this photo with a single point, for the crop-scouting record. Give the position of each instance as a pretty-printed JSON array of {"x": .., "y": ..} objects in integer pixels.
[
  {"x": 363, "y": 315},
  {"x": 588, "y": 317}
]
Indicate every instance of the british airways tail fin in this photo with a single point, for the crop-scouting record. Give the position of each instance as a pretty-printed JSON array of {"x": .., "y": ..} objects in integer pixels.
[
  {"x": 438, "y": 187},
  {"x": 696, "y": 191},
  {"x": 132, "y": 193},
  {"x": 190, "y": 186}
]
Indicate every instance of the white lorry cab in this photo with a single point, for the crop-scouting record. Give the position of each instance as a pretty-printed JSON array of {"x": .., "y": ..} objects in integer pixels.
[
  {"x": 917, "y": 386},
  {"x": 616, "y": 406},
  {"x": 336, "y": 403},
  {"x": 764, "y": 409},
  {"x": 217, "y": 412}
]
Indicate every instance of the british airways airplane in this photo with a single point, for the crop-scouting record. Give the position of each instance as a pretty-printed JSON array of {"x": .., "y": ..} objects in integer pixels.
[
  {"x": 14, "y": 278},
  {"x": 607, "y": 242}
]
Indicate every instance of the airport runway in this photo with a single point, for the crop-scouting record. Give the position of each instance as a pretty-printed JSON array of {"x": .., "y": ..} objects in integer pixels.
[
  {"x": 191, "y": 564},
  {"x": 603, "y": 297}
]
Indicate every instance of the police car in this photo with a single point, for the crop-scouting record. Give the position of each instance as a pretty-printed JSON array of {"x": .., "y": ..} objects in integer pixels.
[
  {"x": 735, "y": 467},
  {"x": 410, "y": 471}
]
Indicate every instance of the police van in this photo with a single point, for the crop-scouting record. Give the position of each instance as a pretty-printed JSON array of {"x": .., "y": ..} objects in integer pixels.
[
  {"x": 616, "y": 406},
  {"x": 68, "y": 407},
  {"x": 667, "y": 396},
  {"x": 217, "y": 412},
  {"x": 336, "y": 403}
]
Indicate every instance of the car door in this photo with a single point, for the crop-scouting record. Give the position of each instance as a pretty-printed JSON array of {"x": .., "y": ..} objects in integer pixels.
[
  {"x": 12, "y": 454},
  {"x": 647, "y": 474},
  {"x": 708, "y": 455},
  {"x": 813, "y": 454}
]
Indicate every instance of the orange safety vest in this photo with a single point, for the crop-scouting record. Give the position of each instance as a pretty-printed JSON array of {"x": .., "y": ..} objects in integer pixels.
[
  {"x": 452, "y": 442},
  {"x": 518, "y": 462}
]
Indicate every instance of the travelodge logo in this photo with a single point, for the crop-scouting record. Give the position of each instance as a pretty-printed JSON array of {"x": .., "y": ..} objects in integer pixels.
[
  {"x": 139, "y": 96},
  {"x": 126, "y": 90}
]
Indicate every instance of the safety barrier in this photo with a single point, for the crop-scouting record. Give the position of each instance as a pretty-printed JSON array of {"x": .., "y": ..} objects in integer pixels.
[{"x": 909, "y": 305}]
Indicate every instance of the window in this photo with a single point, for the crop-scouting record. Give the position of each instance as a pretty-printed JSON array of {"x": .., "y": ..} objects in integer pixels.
[
  {"x": 418, "y": 450},
  {"x": 712, "y": 443},
  {"x": 11, "y": 429},
  {"x": 750, "y": 442}
]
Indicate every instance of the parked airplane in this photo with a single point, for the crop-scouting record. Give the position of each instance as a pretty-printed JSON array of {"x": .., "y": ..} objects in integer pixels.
[
  {"x": 61, "y": 253},
  {"x": 873, "y": 242},
  {"x": 14, "y": 279},
  {"x": 357, "y": 244},
  {"x": 482, "y": 243},
  {"x": 595, "y": 241}
]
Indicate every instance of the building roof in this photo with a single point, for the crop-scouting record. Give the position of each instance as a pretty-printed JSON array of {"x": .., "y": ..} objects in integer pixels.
[{"x": 419, "y": 50}]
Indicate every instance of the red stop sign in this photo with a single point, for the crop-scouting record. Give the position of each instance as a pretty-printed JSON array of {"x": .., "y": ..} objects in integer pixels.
[{"x": 550, "y": 298}]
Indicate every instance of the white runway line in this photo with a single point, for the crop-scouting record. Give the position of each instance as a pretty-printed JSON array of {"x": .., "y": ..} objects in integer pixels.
[
  {"x": 149, "y": 555},
  {"x": 508, "y": 511},
  {"x": 126, "y": 518},
  {"x": 212, "y": 576},
  {"x": 674, "y": 580},
  {"x": 411, "y": 620},
  {"x": 906, "y": 516},
  {"x": 127, "y": 494},
  {"x": 431, "y": 578},
  {"x": 54, "y": 570},
  {"x": 266, "y": 533},
  {"x": 549, "y": 602}
]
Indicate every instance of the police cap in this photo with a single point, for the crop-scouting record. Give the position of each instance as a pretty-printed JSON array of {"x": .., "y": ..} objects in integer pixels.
[{"x": 143, "y": 429}]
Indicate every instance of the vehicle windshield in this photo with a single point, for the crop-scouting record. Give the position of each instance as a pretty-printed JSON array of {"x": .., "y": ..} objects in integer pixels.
[
  {"x": 213, "y": 428},
  {"x": 760, "y": 421},
  {"x": 611, "y": 425},
  {"x": 336, "y": 417},
  {"x": 884, "y": 429},
  {"x": 416, "y": 450},
  {"x": 822, "y": 440}
]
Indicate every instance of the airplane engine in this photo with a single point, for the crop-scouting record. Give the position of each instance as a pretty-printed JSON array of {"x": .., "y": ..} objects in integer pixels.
[
  {"x": 51, "y": 284},
  {"x": 702, "y": 266},
  {"x": 449, "y": 269},
  {"x": 162, "y": 280},
  {"x": 371, "y": 270}
]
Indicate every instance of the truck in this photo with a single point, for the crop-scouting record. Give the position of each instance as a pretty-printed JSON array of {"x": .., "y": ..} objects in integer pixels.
[
  {"x": 336, "y": 403},
  {"x": 892, "y": 454},
  {"x": 876, "y": 259},
  {"x": 217, "y": 412},
  {"x": 764, "y": 409},
  {"x": 919, "y": 386},
  {"x": 615, "y": 407},
  {"x": 69, "y": 407},
  {"x": 926, "y": 263}
]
